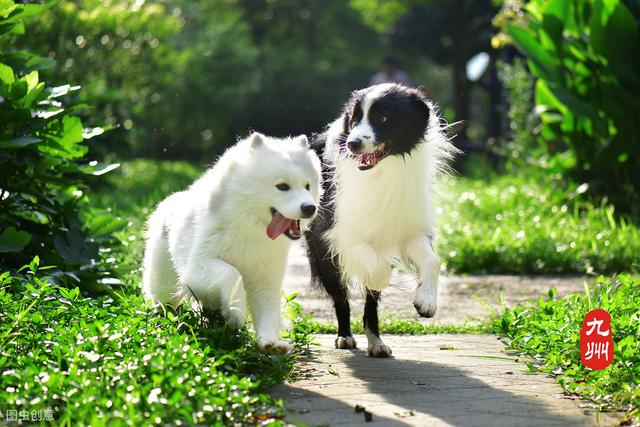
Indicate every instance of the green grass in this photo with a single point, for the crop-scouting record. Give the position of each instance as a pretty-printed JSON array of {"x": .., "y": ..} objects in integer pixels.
[
  {"x": 106, "y": 361},
  {"x": 532, "y": 224},
  {"x": 549, "y": 332},
  {"x": 397, "y": 326}
]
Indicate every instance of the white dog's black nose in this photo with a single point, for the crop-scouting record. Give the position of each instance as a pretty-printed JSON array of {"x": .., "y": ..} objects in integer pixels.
[
  {"x": 354, "y": 145},
  {"x": 308, "y": 210}
]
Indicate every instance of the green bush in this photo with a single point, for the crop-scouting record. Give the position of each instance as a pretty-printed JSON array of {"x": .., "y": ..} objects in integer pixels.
[
  {"x": 586, "y": 58},
  {"x": 43, "y": 150}
]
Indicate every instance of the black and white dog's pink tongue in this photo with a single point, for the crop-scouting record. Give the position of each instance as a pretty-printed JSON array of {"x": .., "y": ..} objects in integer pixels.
[
  {"x": 278, "y": 225},
  {"x": 368, "y": 159}
]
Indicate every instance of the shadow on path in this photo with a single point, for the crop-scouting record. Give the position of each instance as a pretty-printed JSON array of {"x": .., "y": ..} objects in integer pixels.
[{"x": 423, "y": 385}]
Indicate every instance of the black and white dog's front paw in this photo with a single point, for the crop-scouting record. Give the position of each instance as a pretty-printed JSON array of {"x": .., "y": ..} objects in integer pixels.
[
  {"x": 426, "y": 300},
  {"x": 379, "y": 349},
  {"x": 346, "y": 342}
]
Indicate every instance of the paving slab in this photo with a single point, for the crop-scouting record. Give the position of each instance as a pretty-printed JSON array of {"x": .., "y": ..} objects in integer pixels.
[{"x": 477, "y": 384}]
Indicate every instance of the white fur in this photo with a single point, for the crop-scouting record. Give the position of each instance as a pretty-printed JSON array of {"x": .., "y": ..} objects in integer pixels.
[
  {"x": 388, "y": 213},
  {"x": 210, "y": 243}
]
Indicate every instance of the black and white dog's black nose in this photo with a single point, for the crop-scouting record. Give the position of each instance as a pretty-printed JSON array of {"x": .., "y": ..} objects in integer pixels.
[
  {"x": 355, "y": 145},
  {"x": 308, "y": 210}
]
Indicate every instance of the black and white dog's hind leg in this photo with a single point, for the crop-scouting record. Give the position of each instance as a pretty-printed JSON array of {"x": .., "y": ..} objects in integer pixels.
[
  {"x": 376, "y": 347},
  {"x": 326, "y": 274}
]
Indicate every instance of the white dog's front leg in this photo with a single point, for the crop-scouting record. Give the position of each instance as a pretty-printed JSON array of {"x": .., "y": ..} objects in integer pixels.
[
  {"x": 217, "y": 284},
  {"x": 419, "y": 252},
  {"x": 264, "y": 302}
]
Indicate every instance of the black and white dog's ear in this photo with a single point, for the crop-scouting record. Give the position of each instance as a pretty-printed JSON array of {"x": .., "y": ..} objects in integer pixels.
[
  {"x": 302, "y": 140},
  {"x": 349, "y": 107},
  {"x": 421, "y": 103},
  {"x": 256, "y": 140}
]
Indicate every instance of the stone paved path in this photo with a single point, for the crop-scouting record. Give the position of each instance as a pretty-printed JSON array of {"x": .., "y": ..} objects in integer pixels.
[
  {"x": 427, "y": 383},
  {"x": 431, "y": 380}
]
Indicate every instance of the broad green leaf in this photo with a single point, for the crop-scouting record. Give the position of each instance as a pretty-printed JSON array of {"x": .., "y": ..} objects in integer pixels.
[
  {"x": 19, "y": 142},
  {"x": 551, "y": 33},
  {"x": 32, "y": 80},
  {"x": 561, "y": 9},
  {"x": 6, "y": 74},
  {"x": 6, "y": 7},
  {"x": 97, "y": 169},
  {"x": 12, "y": 240},
  {"x": 35, "y": 62},
  {"x": 74, "y": 248},
  {"x": 102, "y": 225},
  {"x": 531, "y": 48}
]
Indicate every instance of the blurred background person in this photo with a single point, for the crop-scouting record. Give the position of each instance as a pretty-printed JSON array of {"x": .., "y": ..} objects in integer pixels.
[{"x": 390, "y": 73}]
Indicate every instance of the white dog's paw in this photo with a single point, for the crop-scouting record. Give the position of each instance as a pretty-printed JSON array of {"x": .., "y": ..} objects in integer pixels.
[
  {"x": 379, "y": 350},
  {"x": 275, "y": 346},
  {"x": 426, "y": 301},
  {"x": 235, "y": 317},
  {"x": 346, "y": 343}
]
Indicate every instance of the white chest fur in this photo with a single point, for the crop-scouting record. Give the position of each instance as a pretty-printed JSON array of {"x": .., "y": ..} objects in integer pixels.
[{"x": 383, "y": 207}]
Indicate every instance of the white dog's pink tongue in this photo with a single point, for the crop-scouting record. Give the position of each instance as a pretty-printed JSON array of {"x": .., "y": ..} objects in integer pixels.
[{"x": 278, "y": 225}]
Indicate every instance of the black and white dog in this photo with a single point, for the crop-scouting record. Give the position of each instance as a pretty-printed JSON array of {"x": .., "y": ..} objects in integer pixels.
[{"x": 380, "y": 161}]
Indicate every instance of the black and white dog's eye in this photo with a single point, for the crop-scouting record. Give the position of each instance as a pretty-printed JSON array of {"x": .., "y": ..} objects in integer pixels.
[
  {"x": 283, "y": 186},
  {"x": 307, "y": 187},
  {"x": 384, "y": 119}
]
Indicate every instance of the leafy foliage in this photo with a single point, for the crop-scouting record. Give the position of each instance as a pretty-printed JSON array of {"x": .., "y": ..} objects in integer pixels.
[
  {"x": 522, "y": 148},
  {"x": 549, "y": 331},
  {"x": 104, "y": 361},
  {"x": 586, "y": 58},
  {"x": 185, "y": 77},
  {"x": 42, "y": 169}
]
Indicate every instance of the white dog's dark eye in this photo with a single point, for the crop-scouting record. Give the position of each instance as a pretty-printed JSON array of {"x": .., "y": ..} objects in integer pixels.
[{"x": 283, "y": 187}]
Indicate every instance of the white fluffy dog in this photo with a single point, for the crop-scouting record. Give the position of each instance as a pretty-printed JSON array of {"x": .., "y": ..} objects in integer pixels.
[{"x": 218, "y": 242}]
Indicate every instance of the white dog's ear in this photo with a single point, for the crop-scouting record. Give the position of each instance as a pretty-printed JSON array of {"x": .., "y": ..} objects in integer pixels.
[
  {"x": 302, "y": 140},
  {"x": 256, "y": 140}
]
